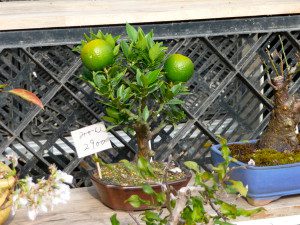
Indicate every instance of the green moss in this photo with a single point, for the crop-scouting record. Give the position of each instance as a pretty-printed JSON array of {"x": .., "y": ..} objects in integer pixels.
[
  {"x": 263, "y": 157},
  {"x": 118, "y": 174}
]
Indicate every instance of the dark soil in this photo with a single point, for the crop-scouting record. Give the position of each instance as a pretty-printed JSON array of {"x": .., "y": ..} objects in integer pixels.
[
  {"x": 263, "y": 157},
  {"x": 118, "y": 174}
]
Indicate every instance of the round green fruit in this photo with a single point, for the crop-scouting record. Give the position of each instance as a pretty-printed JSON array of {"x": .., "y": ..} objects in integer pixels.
[
  {"x": 97, "y": 54},
  {"x": 179, "y": 68}
]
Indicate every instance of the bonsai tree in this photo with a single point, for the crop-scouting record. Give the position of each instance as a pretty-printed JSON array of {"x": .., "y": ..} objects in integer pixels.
[
  {"x": 139, "y": 87},
  {"x": 202, "y": 202},
  {"x": 281, "y": 133}
]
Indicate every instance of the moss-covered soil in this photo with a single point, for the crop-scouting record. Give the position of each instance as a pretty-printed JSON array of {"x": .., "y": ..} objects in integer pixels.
[
  {"x": 118, "y": 174},
  {"x": 263, "y": 157}
]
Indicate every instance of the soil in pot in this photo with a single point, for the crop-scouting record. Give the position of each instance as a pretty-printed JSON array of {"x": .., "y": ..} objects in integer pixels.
[
  {"x": 119, "y": 183},
  {"x": 263, "y": 157},
  {"x": 119, "y": 174}
]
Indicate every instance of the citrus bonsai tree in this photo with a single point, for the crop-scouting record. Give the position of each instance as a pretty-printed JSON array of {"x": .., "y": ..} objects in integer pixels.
[{"x": 139, "y": 86}]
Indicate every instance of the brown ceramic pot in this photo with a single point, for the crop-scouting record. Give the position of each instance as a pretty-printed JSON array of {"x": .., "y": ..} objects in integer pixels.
[{"x": 114, "y": 196}]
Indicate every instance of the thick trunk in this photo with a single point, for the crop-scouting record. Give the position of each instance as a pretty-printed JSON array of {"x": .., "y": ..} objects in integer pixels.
[
  {"x": 280, "y": 133},
  {"x": 143, "y": 136}
]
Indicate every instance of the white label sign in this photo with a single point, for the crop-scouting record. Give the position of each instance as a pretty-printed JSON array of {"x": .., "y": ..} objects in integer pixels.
[{"x": 91, "y": 139}]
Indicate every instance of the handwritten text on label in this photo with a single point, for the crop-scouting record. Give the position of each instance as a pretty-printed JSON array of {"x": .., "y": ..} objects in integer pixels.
[{"x": 91, "y": 139}]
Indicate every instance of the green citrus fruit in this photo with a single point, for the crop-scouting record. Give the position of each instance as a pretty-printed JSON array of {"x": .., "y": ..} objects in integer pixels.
[
  {"x": 97, "y": 54},
  {"x": 179, "y": 68}
]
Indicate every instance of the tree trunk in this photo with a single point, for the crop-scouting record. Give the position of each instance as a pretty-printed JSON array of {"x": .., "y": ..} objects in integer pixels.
[
  {"x": 280, "y": 133},
  {"x": 143, "y": 136}
]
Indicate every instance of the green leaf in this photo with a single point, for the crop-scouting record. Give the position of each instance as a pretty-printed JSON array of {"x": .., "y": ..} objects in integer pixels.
[
  {"x": 136, "y": 201},
  {"x": 155, "y": 52},
  {"x": 146, "y": 113},
  {"x": 138, "y": 77},
  {"x": 205, "y": 176},
  {"x": 125, "y": 49},
  {"x": 114, "y": 220},
  {"x": 109, "y": 119},
  {"x": 229, "y": 210},
  {"x": 239, "y": 187},
  {"x": 198, "y": 210},
  {"x": 149, "y": 38},
  {"x": 220, "y": 170},
  {"x": 126, "y": 94},
  {"x": 219, "y": 222},
  {"x": 176, "y": 89},
  {"x": 175, "y": 101},
  {"x": 161, "y": 197},
  {"x": 120, "y": 91},
  {"x": 87, "y": 38},
  {"x": 250, "y": 212},
  {"x": 151, "y": 216},
  {"x": 113, "y": 113},
  {"x": 99, "y": 79},
  {"x": 116, "y": 50},
  {"x": 192, "y": 165},
  {"x": 110, "y": 40},
  {"x": 2, "y": 86},
  {"x": 152, "y": 76},
  {"x": 141, "y": 40},
  {"x": 148, "y": 189},
  {"x": 144, "y": 167},
  {"x": 131, "y": 32}
]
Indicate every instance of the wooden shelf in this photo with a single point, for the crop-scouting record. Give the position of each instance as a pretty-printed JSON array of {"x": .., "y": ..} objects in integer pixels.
[
  {"x": 63, "y": 13},
  {"x": 85, "y": 208}
]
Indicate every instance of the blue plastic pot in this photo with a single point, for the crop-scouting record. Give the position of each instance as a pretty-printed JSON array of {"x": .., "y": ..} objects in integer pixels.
[{"x": 266, "y": 183}]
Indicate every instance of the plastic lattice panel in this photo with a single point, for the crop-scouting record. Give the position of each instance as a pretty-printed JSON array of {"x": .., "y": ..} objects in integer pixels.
[{"x": 230, "y": 96}]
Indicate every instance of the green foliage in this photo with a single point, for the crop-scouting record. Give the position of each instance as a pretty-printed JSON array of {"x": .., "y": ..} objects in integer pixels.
[
  {"x": 114, "y": 220},
  {"x": 144, "y": 168},
  {"x": 209, "y": 187},
  {"x": 136, "y": 201},
  {"x": 134, "y": 88}
]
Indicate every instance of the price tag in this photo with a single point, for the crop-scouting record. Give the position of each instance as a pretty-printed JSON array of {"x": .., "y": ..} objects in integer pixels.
[{"x": 91, "y": 139}]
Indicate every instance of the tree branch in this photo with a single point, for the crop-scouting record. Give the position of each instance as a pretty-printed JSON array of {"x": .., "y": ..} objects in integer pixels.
[
  {"x": 272, "y": 62},
  {"x": 182, "y": 197}
]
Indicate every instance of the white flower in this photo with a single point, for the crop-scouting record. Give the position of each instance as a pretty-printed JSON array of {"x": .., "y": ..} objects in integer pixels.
[
  {"x": 32, "y": 213},
  {"x": 15, "y": 197},
  {"x": 172, "y": 197},
  {"x": 164, "y": 187},
  {"x": 251, "y": 162},
  {"x": 29, "y": 182},
  {"x": 66, "y": 178},
  {"x": 23, "y": 201},
  {"x": 13, "y": 158},
  {"x": 43, "y": 208},
  {"x": 175, "y": 170}
]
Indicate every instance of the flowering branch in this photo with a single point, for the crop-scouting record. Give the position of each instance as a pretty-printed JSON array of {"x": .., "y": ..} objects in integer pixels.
[{"x": 43, "y": 195}]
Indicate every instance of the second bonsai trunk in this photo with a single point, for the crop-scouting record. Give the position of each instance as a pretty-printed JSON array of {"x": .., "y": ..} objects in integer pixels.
[{"x": 280, "y": 133}]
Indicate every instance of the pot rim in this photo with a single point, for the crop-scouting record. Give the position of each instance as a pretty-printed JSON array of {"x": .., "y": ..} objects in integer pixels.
[
  {"x": 188, "y": 176},
  {"x": 215, "y": 148}
]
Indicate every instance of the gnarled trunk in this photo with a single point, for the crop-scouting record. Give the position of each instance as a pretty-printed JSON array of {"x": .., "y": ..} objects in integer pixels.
[
  {"x": 143, "y": 135},
  {"x": 280, "y": 133}
]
